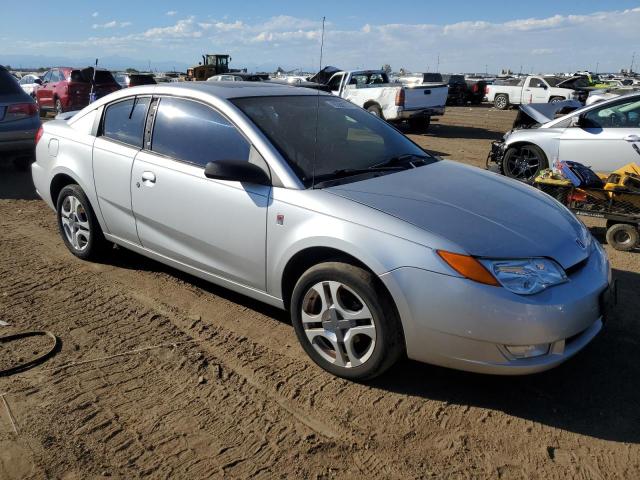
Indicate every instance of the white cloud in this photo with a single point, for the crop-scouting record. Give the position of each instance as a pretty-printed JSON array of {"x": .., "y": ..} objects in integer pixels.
[
  {"x": 555, "y": 43},
  {"x": 95, "y": 14},
  {"x": 111, "y": 24},
  {"x": 171, "y": 13}
]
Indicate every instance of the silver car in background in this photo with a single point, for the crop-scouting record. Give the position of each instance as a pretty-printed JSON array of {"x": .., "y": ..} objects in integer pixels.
[
  {"x": 377, "y": 249},
  {"x": 604, "y": 136}
]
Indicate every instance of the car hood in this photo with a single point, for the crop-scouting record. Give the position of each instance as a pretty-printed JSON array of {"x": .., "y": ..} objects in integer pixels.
[
  {"x": 545, "y": 112},
  {"x": 487, "y": 215}
]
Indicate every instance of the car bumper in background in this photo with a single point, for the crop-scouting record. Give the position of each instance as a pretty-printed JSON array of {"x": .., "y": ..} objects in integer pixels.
[
  {"x": 457, "y": 323},
  {"x": 19, "y": 136}
]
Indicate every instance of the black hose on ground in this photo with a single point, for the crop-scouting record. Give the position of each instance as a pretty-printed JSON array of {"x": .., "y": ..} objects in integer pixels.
[{"x": 36, "y": 361}]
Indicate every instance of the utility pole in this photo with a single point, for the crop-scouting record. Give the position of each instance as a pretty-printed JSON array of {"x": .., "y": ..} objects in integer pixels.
[
  {"x": 438, "y": 64},
  {"x": 633, "y": 59},
  {"x": 597, "y": 65}
]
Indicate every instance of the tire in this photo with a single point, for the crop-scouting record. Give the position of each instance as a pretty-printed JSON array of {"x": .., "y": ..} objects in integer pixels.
[
  {"x": 623, "y": 236},
  {"x": 501, "y": 101},
  {"x": 556, "y": 99},
  {"x": 58, "y": 107},
  {"x": 330, "y": 341},
  {"x": 419, "y": 124},
  {"x": 524, "y": 162},
  {"x": 375, "y": 110},
  {"x": 78, "y": 225}
]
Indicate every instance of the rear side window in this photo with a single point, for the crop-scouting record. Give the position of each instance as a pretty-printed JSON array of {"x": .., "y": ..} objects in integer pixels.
[
  {"x": 124, "y": 121},
  {"x": 195, "y": 133},
  {"x": 8, "y": 83}
]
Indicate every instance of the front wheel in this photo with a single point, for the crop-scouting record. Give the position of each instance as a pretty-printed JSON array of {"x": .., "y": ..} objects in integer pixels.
[
  {"x": 524, "y": 162},
  {"x": 345, "y": 321},
  {"x": 78, "y": 225}
]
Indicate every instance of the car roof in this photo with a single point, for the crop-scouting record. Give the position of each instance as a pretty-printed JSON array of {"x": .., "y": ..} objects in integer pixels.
[{"x": 228, "y": 90}]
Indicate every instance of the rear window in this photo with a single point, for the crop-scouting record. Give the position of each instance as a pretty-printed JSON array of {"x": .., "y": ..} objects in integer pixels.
[
  {"x": 141, "y": 80},
  {"x": 124, "y": 121},
  {"x": 102, "y": 76},
  {"x": 8, "y": 83},
  {"x": 432, "y": 77}
]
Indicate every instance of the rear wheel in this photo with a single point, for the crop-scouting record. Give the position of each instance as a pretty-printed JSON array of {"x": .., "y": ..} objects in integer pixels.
[
  {"x": 375, "y": 110},
  {"x": 501, "y": 102},
  {"x": 623, "y": 236},
  {"x": 78, "y": 225},
  {"x": 58, "y": 107},
  {"x": 345, "y": 321},
  {"x": 420, "y": 124},
  {"x": 524, "y": 162},
  {"x": 556, "y": 99}
]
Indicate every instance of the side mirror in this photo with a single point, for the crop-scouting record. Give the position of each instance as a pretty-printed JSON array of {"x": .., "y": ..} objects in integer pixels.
[
  {"x": 237, "y": 171},
  {"x": 38, "y": 81}
]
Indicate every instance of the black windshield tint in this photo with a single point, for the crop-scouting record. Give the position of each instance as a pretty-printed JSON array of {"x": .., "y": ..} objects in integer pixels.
[{"x": 348, "y": 136}]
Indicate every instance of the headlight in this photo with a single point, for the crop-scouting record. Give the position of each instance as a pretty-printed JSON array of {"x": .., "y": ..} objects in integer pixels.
[{"x": 526, "y": 276}]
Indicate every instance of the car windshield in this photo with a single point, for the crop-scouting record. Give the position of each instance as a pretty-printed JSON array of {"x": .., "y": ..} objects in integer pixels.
[{"x": 350, "y": 141}]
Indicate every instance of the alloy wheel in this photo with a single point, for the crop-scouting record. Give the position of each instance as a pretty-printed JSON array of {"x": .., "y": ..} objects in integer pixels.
[
  {"x": 75, "y": 223},
  {"x": 524, "y": 164},
  {"x": 338, "y": 324}
]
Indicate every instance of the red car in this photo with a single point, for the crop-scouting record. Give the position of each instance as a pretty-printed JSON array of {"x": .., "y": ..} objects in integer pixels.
[{"x": 65, "y": 89}]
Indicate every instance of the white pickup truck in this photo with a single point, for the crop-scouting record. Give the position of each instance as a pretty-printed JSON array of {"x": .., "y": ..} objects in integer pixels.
[
  {"x": 372, "y": 90},
  {"x": 531, "y": 89}
]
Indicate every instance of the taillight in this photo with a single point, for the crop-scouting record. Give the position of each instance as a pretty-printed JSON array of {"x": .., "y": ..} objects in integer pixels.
[
  {"x": 21, "y": 110},
  {"x": 474, "y": 88},
  {"x": 39, "y": 134},
  {"x": 400, "y": 97},
  {"x": 486, "y": 90}
]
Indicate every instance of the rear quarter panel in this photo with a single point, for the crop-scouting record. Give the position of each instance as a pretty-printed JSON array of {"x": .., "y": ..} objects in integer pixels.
[{"x": 63, "y": 150}]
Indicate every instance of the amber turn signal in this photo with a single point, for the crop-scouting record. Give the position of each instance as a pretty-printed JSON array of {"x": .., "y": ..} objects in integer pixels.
[{"x": 468, "y": 267}]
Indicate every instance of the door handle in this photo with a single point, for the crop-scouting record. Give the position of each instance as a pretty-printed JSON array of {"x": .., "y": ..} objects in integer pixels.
[
  {"x": 148, "y": 177},
  {"x": 632, "y": 138}
]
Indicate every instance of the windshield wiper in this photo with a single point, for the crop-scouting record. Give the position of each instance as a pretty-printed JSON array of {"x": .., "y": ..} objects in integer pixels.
[{"x": 403, "y": 159}]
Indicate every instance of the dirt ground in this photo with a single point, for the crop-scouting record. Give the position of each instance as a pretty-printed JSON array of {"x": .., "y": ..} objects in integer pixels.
[{"x": 161, "y": 375}]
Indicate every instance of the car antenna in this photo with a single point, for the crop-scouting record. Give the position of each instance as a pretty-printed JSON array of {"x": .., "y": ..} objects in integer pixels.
[
  {"x": 92, "y": 93},
  {"x": 315, "y": 149}
]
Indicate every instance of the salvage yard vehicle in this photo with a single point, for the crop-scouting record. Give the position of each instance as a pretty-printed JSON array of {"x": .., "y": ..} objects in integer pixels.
[
  {"x": 603, "y": 136},
  {"x": 342, "y": 220},
  {"x": 371, "y": 90},
  {"x": 239, "y": 77},
  {"x": 127, "y": 80},
  {"x": 19, "y": 121},
  {"x": 531, "y": 89},
  {"x": 65, "y": 89},
  {"x": 30, "y": 83}
]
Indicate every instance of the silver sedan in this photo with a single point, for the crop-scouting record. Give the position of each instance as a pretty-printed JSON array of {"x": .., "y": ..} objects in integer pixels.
[{"x": 306, "y": 202}]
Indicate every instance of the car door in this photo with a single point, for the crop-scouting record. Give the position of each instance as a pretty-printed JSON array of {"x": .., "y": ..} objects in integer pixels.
[
  {"x": 335, "y": 83},
  {"x": 606, "y": 138},
  {"x": 119, "y": 140},
  {"x": 216, "y": 226},
  {"x": 535, "y": 91},
  {"x": 44, "y": 94}
]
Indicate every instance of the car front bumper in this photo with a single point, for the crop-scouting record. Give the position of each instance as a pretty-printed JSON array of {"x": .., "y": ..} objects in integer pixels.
[
  {"x": 457, "y": 323},
  {"x": 496, "y": 155}
]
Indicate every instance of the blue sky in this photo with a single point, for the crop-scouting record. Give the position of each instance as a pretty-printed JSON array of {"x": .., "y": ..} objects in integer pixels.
[{"x": 475, "y": 35}]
